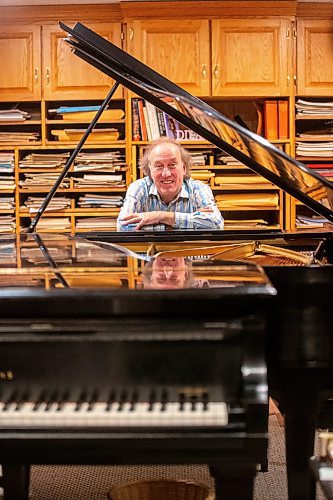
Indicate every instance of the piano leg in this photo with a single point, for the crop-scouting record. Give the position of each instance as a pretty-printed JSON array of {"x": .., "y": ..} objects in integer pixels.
[
  {"x": 16, "y": 482},
  {"x": 300, "y": 435},
  {"x": 234, "y": 482},
  {"x": 300, "y": 403}
]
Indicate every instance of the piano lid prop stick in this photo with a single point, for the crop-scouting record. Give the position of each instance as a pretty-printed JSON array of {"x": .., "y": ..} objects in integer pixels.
[
  {"x": 70, "y": 160},
  {"x": 45, "y": 251}
]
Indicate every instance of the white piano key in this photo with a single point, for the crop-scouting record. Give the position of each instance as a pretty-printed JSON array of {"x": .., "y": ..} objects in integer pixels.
[{"x": 49, "y": 416}]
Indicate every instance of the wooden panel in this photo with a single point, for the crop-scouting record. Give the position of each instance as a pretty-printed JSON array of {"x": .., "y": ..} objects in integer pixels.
[
  {"x": 315, "y": 57},
  {"x": 249, "y": 57},
  {"x": 65, "y": 75},
  {"x": 207, "y": 9},
  {"x": 20, "y": 62},
  {"x": 179, "y": 51}
]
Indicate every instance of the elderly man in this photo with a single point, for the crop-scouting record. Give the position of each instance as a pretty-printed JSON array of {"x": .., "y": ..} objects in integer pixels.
[{"x": 167, "y": 197}]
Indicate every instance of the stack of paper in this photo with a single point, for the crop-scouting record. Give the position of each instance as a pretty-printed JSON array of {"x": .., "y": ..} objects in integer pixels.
[
  {"x": 225, "y": 159},
  {"x": 7, "y": 253},
  {"x": 314, "y": 108},
  {"x": 245, "y": 224},
  {"x": 42, "y": 180},
  {"x": 44, "y": 160},
  {"x": 110, "y": 161},
  {"x": 99, "y": 181},
  {"x": 86, "y": 113},
  {"x": 102, "y": 223},
  {"x": 303, "y": 221},
  {"x": 7, "y": 224},
  {"x": 322, "y": 149},
  {"x": 100, "y": 201},
  {"x": 35, "y": 256},
  {"x": 242, "y": 181},
  {"x": 6, "y": 162},
  {"x": 257, "y": 201},
  {"x": 202, "y": 175},
  {"x": 199, "y": 158},
  {"x": 105, "y": 135},
  {"x": 7, "y": 203},
  {"x": 19, "y": 137},
  {"x": 57, "y": 204},
  {"x": 7, "y": 182},
  {"x": 13, "y": 115},
  {"x": 54, "y": 224}
]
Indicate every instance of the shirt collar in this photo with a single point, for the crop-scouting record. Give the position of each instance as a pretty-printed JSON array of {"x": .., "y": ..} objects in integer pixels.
[{"x": 184, "y": 192}]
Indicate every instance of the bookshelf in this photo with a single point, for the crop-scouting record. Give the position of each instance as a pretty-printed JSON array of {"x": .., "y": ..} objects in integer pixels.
[{"x": 235, "y": 57}]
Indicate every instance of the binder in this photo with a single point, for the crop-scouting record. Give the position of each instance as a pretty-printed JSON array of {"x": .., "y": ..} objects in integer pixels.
[
  {"x": 283, "y": 119},
  {"x": 271, "y": 119}
]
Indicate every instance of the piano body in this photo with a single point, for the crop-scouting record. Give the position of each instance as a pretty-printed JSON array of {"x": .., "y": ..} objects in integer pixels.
[
  {"x": 298, "y": 344},
  {"x": 299, "y": 348},
  {"x": 102, "y": 364}
]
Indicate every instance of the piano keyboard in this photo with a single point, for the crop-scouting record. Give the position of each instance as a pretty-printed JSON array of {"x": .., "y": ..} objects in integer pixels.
[{"x": 100, "y": 414}]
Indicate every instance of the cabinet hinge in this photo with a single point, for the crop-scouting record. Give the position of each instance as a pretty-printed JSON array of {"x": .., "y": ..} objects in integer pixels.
[{"x": 294, "y": 32}]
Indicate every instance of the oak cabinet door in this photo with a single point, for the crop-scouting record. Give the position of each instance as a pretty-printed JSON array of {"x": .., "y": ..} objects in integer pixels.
[
  {"x": 177, "y": 49},
  {"x": 250, "y": 57},
  {"x": 20, "y": 62},
  {"x": 65, "y": 75},
  {"x": 315, "y": 57}
]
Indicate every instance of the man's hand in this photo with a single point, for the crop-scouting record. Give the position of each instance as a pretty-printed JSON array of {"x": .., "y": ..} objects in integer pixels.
[{"x": 149, "y": 219}]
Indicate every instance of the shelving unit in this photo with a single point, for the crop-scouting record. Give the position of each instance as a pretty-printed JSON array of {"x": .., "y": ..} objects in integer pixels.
[{"x": 231, "y": 55}]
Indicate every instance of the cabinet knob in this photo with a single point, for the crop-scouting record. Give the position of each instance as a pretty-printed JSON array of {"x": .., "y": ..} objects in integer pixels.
[
  {"x": 48, "y": 76},
  {"x": 204, "y": 72},
  {"x": 217, "y": 72},
  {"x": 36, "y": 76}
]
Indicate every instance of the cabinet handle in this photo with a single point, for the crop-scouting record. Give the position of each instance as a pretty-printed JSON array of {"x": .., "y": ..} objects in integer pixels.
[
  {"x": 204, "y": 72},
  {"x": 295, "y": 80},
  {"x": 131, "y": 33},
  {"x": 48, "y": 76},
  {"x": 36, "y": 76},
  {"x": 288, "y": 80},
  {"x": 217, "y": 72}
]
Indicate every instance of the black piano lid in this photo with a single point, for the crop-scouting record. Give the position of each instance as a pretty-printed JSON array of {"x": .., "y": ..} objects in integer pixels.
[
  {"x": 251, "y": 149},
  {"x": 62, "y": 261}
]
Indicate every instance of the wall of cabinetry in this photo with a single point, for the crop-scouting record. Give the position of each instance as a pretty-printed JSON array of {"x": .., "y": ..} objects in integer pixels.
[{"x": 245, "y": 53}]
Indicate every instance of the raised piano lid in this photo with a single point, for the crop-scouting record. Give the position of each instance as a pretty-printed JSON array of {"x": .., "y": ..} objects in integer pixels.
[
  {"x": 52, "y": 261},
  {"x": 251, "y": 149}
]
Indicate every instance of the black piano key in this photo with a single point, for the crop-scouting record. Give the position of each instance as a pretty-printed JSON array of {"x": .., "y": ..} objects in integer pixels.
[
  {"x": 193, "y": 401},
  {"x": 52, "y": 399},
  {"x": 205, "y": 400},
  {"x": 164, "y": 399},
  {"x": 134, "y": 400},
  {"x": 122, "y": 400},
  {"x": 62, "y": 401},
  {"x": 39, "y": 401},
  {"x": 92, "y": 400},
  {"x": 12, "y": 399},
  {"x": 152, "y": 400},
  {"x": 111, "y": 400},
  {"x": 22, "y": 401},
  {"x": 83, "y": 399},
  {"x": 182, "y": 401}
]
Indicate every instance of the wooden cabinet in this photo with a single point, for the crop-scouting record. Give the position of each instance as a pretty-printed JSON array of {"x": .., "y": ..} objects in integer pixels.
[
  {"x": 224, "y": 57},
  {"x": 66, "y": 76},
  {"x": 20, "y": 62},
  {"x": 179, "y": 50},
  {"x": 315, "y": 57},
  {"x": 250, "y": 57}
]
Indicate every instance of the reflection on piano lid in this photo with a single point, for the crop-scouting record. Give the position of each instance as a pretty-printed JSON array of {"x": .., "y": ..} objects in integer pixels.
[
  {"x": 251, "y": 149},
  {"x": 57, "y": 261}
]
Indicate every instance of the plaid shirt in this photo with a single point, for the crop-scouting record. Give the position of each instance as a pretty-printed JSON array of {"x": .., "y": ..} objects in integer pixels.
[{"x": 142, "y": 196}]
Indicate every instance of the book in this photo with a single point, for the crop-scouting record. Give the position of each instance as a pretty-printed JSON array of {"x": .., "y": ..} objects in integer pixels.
[
  {"x": 152, "y": 118},
  {"x": 145, "y": 114},
  {"x": 143, "y": 127},
  {"x": 136, "y": 136},
  {"x": 271, "y": 119},
  {"x": 283, "y": 119},
  {"x": 161, "y": 122}
]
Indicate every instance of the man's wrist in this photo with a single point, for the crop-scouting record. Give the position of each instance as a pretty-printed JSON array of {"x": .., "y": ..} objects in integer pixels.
[{"x": 167, "y": 218}]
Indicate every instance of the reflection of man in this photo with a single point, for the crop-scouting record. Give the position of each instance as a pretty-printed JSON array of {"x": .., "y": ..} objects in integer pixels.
[
  {"x": 167, "y": 272},
  {"x": 167, "y": 197}
]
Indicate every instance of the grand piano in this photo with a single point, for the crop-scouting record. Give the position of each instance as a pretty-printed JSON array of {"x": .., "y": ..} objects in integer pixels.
[{"x": 294, "y": 324}]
